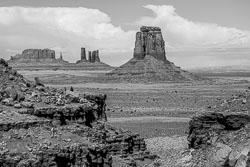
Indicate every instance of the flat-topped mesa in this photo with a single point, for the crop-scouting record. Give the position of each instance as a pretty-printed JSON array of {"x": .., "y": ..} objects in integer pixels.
[
  {"x": 149, "y": 41},
  {"x": 35, "y": 54},
  {"x": 38, "y": 54}
]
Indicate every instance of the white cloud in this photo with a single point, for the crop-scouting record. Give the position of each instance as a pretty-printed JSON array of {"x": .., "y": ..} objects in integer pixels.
[
  {"x": 66, "y": 29},
  {"x": 182, "y": 33}
]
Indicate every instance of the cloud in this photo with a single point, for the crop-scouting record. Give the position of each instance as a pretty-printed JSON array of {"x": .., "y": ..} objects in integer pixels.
[
  {"x": 183, "y": 33},
  {"x": 62, "y": 28}
]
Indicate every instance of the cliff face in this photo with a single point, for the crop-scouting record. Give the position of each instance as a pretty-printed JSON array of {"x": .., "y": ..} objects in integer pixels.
[{"x": 149, "y": 41}]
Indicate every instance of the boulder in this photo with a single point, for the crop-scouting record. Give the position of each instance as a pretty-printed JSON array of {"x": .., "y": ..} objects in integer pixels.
[
  {"x": 219, "y": 155},
  {"x": 242, "y": 151},
  {"x": 38, "y": 82},
  {"x": 11, "y": 92},
  {"x": 242, "y": 161},
  {"x": 27, "y": 104},
  {"x": 18, "y": 105}
]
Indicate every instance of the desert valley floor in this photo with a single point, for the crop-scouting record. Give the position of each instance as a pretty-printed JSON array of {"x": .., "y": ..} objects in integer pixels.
[
  {"x": 159, "y": 112},
  {"x": 158, "y": 109}
]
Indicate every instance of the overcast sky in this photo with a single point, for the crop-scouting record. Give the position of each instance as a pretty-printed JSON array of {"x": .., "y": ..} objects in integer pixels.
[{"x": 196, "y": 32}]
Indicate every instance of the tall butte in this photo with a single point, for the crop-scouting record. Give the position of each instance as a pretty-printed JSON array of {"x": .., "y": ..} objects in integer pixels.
[{"x": 149, "y": 62}]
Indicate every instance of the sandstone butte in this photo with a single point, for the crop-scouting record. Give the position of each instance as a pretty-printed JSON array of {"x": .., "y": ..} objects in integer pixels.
[
  {"x": 43, "y": 59},
  {"x": 149, "y": 62},
  {"x": 43, "y": 126}
]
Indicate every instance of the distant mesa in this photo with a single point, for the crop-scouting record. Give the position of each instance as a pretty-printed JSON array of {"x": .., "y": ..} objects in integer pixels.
[
  {"x": 149, "y": 62},
  {"x": 37, "y": 56},
  {"x": 45, "y": 59}
]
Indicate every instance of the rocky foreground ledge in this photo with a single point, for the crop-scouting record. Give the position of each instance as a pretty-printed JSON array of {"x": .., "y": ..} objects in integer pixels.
[
  {"x": 43, "y": 126},
  {"x": 220, "y": 138}
]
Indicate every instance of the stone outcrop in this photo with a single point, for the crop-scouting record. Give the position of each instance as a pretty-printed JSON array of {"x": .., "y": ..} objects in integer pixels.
[
  {"x": 149, "y": 41},
  {"x": 43, "y": 126},
  {"x": 149, "y": 63},
  {"x": 220, "y": 137}
]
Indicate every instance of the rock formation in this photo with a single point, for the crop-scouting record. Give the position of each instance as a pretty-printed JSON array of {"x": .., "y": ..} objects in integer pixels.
[
  {"x": 90, "y": 56},
  {"x": 83, "y": 54},
  {"x": 97, "y": 58},
  {"x": 44, "y": 59},
  {"x": 61, "y": 57},
  {"x": 220, "y": 136},
  {"x": 36, "y": 57},
  {"x": 149, "y": 41},
  {"x": 149, "y": 63},
  {"x": 36, "y": 54},
  {"x": 44, "y": 126},
  {"x": 93, "y": 61},
  {"x": 93, "y": 56}
]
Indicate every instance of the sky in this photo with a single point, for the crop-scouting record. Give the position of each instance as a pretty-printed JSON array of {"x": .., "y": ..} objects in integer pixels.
[{"x": 197, "y": 33}]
